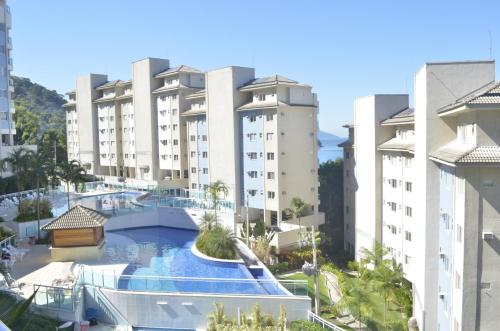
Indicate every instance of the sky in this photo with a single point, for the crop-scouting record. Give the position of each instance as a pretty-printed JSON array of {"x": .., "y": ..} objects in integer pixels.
[{"x": 344, "y": 49}]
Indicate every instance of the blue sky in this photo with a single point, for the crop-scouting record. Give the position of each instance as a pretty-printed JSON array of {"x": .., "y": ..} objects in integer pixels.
[{"x": 344, "y": 49}]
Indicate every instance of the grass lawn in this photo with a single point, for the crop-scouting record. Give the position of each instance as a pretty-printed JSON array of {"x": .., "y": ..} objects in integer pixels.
[
  {"x": 29, "y": 321},
  {"x": 323, "y": 290}
]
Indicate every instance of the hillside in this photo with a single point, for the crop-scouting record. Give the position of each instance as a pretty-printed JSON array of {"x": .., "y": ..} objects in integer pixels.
[{"x": 38, "y": 110}]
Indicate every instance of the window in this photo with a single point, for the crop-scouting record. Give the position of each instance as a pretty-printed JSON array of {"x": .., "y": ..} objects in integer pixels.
[
  {"x": 459, "y": 233},
  {"x": 192, "y": 138},
  {"x": 174, "y": 127},
  {"x": 393, "y": 229},
  {"x": 270, "y": 194},
  {"x": 176, "y": 157},
  {"x": 407, "y": 259},
  {"x": 393, "y": 183},
  {"x": 408, "y": 211},
  {"x": 346, "y": 154},
  {"x": 204, "y": 137},
  {"x": 270, "y": 156},
  {"x": 446, "y": 220},
  {"x": 261, "y": 97},
  {"x": 252, "y": 155},
  {"x": 252, "y": 118},
  {"x": 407, "y": 236},
  {"x": 174, "y": 111},
  {"x": 393, "y": 206},
  {"x": 270, "y": 175},
  {"x": 193, "y": 170},
  {"x": 205, "y": 155},
  {"x": 269, "y": 136},
  {"x": 408, "y": 186},
  {"x": 252, "y": 136},
  {"x": 252, "y": 192},
  {"x": 176, "y": 142},
  {"x": 269, "y": 117},
  {"x": 193, "y": 154},
  {"x": 193, "y": 186},
  {"x": 458, "y": 280},
  {"x": 252, "y": 174},
  {"x": 205, "y": 171}
]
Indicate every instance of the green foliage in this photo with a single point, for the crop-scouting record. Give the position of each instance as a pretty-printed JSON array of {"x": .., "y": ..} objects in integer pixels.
[
  {"x": 27, "y": 210},
  {"x": 208, "y": 221},
  {"x": 218, "y": 243},
  {"x": 214, "y": 192},
  {"x": 218, "y": 321},
  {"x": 43, "y": 103},
  {"x": 16, "y": 315},
  {"x": 331, "y": 194},
  {"x": 4, "y": 233},
  {"x": 259, "y": 229},
  {"x": 296, "y": 259},
  {"x": 278, "y": 268},
  {"x": 353, "y": 265},
  {"x": 303, "y": 325}
]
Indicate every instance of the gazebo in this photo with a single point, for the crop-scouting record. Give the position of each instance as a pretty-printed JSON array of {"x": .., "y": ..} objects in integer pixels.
[{"x": 77, "y": 234}]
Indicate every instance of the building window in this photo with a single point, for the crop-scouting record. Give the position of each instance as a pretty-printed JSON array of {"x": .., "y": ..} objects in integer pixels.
[
  {"x": 393, "y": 183},
  {"x": 261, "y": 97},
  {"x": 270, "y": 156},
  {"x": 252, "y": 136},
  {"x": 193, "y": 170},
  {"x": 193, "y": 186},
  {"x": 205, "y": 171},
  {"x": 269, "y": 117},
  {"x": 408, "y": 186},
  {"x": 346, "y": 155},
  {"x": 393, "y": 229},
  {"x": 252, "y": 118},
  {"x": 269, "y": 136},
  {"x": 176, "y": 142},
  {"x": 408, "y": 211},
  {"x": 270, "y": 175},
  {"x": 204, "y": 137},
  {"x": 393, "y": 206},
  {"x": 407, "y": 259},
  {"x": 446, "y": 220},
  {"x": 176, "y": 157},
  {"x": 193, "y": 154},
  {"x": 252, "y": 174},
  {"x": 458, "y": 280},
  {"x": 270, "y": 194},
  {"x": 252, "y": 192},
  {"x": 252, "y": 156},
  {"x": 459, "y": 233},
  {"x": 407, "y": 236},
  {"x": 204, "y": 155},
  {"x": 192, "y": 138}
]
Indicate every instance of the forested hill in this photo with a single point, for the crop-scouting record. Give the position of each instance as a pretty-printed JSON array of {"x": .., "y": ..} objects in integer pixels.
[{"x": 38, "y": 110}]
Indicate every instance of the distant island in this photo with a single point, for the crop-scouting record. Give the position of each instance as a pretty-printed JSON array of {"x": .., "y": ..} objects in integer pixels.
[{"x": 329, "y": 149}]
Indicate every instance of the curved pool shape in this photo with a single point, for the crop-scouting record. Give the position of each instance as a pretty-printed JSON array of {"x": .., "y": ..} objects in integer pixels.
[{"x": 160, "y": 259}]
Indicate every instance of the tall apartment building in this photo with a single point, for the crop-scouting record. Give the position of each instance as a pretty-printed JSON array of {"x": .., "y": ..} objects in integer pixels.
[
  {"x": 180, "y": 127},
  {"x": 7, "y": 126},
  {"x": 428, "y": 178}
]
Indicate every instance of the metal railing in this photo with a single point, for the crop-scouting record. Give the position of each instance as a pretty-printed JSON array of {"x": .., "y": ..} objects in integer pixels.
[
  {"x": 109, "y": 279},
  {"x": 57, "y": 297},
  {"x": 312, "y": 317},
  {"x": 9, "y": 241},
  {"x": 109, "y": 309}
]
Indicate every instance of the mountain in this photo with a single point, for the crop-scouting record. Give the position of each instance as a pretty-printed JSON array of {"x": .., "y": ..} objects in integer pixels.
[
  {"x": 329, "y": 139},
  {"x": 38, "y": 110}
]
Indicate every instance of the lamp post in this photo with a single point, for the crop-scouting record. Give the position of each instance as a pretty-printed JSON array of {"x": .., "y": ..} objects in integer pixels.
[{"x": 313, "y": 270}]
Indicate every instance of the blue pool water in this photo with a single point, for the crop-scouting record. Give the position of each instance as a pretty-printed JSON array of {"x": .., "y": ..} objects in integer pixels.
[{"x": 156, "y": 252}]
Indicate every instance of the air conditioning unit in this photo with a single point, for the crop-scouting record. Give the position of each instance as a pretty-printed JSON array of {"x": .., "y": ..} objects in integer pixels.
[
  {"x": 488, "y": 235},
  {"x": 442, "y": 254},
  {"x": 441, "y": 295}
]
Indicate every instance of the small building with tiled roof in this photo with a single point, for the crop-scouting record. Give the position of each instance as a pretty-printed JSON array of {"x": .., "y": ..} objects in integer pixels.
[{"x": 80, "y": 227}]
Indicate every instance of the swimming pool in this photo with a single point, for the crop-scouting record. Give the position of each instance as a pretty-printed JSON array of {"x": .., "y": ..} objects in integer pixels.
[{"x": 160, "y": 259}]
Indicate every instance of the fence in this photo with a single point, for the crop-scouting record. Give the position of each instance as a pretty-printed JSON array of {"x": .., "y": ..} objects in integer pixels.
[
  {"x": 9, "y": 241},
  {"x": 111, "y": 280},
  {"x": 312, "y": 317}
]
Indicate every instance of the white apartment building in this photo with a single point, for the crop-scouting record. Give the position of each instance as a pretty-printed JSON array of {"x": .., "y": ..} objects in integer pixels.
[
  {"x": 179, "y": 127},
  {"x": 427, "y": 187}
]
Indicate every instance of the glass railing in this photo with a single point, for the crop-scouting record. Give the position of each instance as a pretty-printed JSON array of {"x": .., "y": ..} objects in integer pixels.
[
  {"x": 57, "y": 297},
  {"x": 109, "y": 279}
]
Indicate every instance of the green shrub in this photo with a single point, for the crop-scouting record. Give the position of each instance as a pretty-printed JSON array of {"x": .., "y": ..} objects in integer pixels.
[
  {"x": 278, "y": 268},
  {"x": 297, "y": 258},
  {"x": 27, "y": 210},
  {"x": 259, "y": 229},
  {"x": 353, "y": 266},
  {"x": 4, "y": 233},
  {"x": 218, "y": 243},
  {"x": 302, "y": 325}
]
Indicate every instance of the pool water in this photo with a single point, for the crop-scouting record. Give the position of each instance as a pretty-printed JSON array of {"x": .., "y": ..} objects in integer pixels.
[{"x": 160, "y": 259}]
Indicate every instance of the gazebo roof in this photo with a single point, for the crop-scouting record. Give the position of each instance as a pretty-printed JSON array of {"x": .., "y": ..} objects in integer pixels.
[{"x": 78, "y": 217}]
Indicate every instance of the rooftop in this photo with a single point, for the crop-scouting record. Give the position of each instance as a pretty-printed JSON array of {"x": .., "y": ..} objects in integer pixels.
[
  {"x": 109, "y": 84},
  {"x": 467, "y": 155},
  {"x": 488, "y": 94},
  {"x": 176, "y": 70},
  {"x": 269, "y": 82},
  {"x": 404, "y": 116},
  {"x": 78, "y": 217}
]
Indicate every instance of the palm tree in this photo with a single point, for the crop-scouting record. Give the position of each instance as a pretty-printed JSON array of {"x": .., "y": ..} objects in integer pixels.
[
  {"x": 38, "y": 169},
  {"x": 374, "y": 257},
  {"x": 18, "y": 162},
  {"x": 71, "y": 172},
  {"x": 354, "y": 298},
  {"x": 298, "y": 208},
  {"x": 387, "y": 279},
  {"x": 213, "y": 191},
  {"x": 207, "y": 221}
]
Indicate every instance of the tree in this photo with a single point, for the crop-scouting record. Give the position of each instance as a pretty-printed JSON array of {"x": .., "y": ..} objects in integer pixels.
[
  {"x": 213, "y": 191},
  {"x": 38, "y": 169},
  {"x": 27, "y": 125},
  {"x": 18, "y": 162},
  {"x": 298, "y": 208},
  {"x": 71, "y": 173},
  {"x": 354, "y": 297},
  {"x": 207, "y": 221},
  {"x": 374, "y": 257}
]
